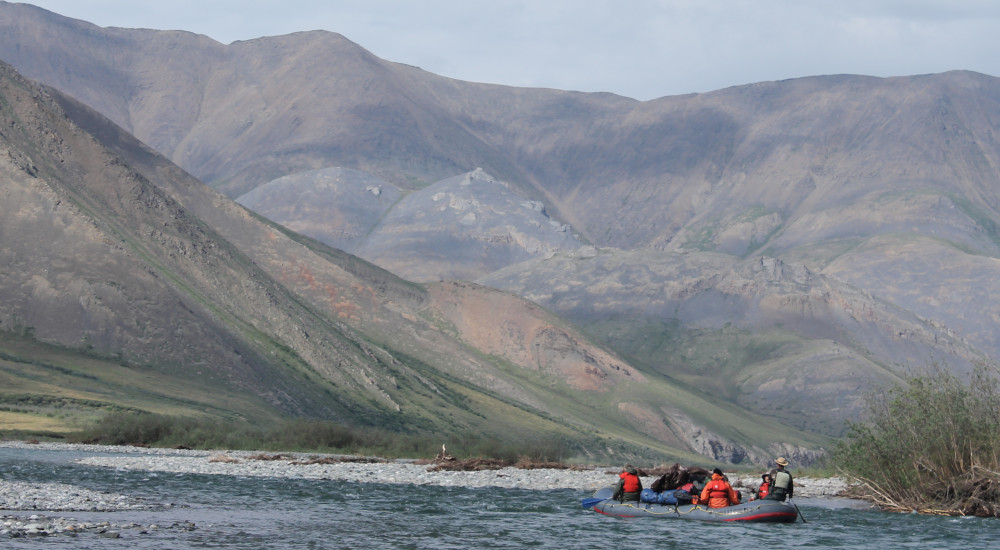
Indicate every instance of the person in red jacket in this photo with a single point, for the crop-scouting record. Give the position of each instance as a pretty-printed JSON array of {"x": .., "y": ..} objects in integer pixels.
[
  {"x": 765, "y": 486},
  {"x": 629, "y": 486},
  {"x": 718, "y": 493}
]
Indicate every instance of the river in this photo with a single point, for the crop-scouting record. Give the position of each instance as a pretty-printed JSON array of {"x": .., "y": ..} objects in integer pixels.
[{"x": 217, "y": 511}]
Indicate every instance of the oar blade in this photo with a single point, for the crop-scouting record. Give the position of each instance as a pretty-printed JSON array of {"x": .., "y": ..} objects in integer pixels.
[
  {"x": 602, "y": 494},
  {"x": 590, "y": 502}
]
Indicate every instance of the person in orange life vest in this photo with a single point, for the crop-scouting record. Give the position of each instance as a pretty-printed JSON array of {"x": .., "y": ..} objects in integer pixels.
[
  {"x": 629, "y": 486},
  {"x": 765, "y": 486},
  {"x": 718, "y": 493}
]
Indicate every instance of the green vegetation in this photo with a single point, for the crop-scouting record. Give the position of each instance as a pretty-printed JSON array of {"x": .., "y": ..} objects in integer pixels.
[
  {"x": 714, "y": 360},
  {"x": 70, "y": 389},
  {"x": 53, "y": 393},
  {"x": 932, "y": 446},
  {"x": 700, "y": 373},
  {"x": 144, "y": 429},
  {"x": 702, "y": 237},
  {"x": 980, "y": 215}
]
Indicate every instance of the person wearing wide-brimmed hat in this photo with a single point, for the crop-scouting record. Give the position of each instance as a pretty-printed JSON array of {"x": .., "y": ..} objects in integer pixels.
[{"x": 782, "y": 485}]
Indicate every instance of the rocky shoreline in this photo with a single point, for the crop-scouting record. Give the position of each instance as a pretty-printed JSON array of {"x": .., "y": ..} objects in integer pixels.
[
  {"x": 50, "y": 526},
  {"x": 55, "y": 497}
]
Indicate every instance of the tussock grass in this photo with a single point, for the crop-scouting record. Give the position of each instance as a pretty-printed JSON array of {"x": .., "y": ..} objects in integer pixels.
[
  {"x": 32, "y": 423},
  {"x": 931, "y": 446}
]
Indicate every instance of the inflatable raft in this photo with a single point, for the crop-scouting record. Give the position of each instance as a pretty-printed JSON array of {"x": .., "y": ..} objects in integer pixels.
[{"x": 763, "y": 511}]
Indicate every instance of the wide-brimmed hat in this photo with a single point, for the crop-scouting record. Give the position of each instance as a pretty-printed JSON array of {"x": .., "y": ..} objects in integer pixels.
[{"x": 780, "y": 461}]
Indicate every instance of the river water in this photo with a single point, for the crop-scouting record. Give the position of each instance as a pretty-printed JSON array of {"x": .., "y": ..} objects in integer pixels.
[{"x": 278, "y": 514}]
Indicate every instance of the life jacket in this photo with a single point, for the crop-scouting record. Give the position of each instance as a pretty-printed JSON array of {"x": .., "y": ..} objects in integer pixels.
[
  {"x": 782, "y": 480},
  {"x": 718, "y": 489},
  {"x": 718, "y": 493},
  {"x": 632, "y": 483},
  {"x": 763, "y": 490}
]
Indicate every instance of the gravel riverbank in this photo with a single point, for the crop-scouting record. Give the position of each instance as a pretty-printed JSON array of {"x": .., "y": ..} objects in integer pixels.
[{"x": 60, "y": 497}]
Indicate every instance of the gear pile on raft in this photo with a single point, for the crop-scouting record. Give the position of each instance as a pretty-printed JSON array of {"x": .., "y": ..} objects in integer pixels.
[{"x": 695, "y": 493}]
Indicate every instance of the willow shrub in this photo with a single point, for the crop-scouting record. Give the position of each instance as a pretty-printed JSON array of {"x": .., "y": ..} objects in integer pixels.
[{"x": 930, "y": 445}]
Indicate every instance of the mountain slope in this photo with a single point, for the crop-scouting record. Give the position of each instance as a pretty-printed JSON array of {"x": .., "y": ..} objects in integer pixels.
[
  {"x": 102, "y": 259},
  {"x": 111, "y": 250},
  {"x": 772, "y": 337},
  {"x": 883, "y": 191}
]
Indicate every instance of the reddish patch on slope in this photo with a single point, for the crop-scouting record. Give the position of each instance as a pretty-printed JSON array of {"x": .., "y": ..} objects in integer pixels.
[
  {"x": 300, "y": 275},
  {"x": 523, "y": 333}
]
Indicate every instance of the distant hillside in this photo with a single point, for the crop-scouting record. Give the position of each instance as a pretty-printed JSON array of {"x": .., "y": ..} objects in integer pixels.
[
  {"x": 174, "y": 298},
  {"x": 458, "y": 228},
  {"x": 772, "y": 337},
  {"x": 755, "y": 234}
]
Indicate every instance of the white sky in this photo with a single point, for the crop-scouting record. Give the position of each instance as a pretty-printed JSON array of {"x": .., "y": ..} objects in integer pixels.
[{"x": 638, "y": 48}]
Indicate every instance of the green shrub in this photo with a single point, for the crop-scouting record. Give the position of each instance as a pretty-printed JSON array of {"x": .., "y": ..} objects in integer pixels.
[{"x": 931, "y": 445}]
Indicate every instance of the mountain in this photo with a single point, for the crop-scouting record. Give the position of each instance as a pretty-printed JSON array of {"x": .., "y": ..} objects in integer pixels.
[
  {"x": 136, "y": 276},
  {"x": 765, "y": 247}
]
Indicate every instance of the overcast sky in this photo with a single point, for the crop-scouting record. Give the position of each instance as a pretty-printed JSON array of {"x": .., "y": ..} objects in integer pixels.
[{"x": 638, "y": 48}]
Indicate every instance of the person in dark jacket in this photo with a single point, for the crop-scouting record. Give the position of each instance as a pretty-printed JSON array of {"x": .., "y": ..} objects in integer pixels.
[
  {"x": 629, "y": 485},
  {"x": 782, "y": 486}
]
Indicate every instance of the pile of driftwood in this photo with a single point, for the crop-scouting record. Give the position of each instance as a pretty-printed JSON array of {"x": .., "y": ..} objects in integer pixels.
[
  {"x": 445, "y": 462},
  {"x": 975, "y": 493},
  {"x": 469, "y": 465}
]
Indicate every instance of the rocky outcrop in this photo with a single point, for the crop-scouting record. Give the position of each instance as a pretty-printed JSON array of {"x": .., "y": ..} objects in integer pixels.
[
  {"x": 462, "y": 228},
  {"x": 336, "y": 206}
]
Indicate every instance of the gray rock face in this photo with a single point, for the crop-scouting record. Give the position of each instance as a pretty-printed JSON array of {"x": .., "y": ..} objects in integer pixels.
[
  {"x": 462, "y": 228},
  {"x": 336, "y": 206},
  {"x": 458, "y": 228}
]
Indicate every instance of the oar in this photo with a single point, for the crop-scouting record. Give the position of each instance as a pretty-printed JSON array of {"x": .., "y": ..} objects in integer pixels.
[
  {"x": 796, "y": 509},
  {"x": 590, "y": 502},
  {"x": 602, "y": 494}
]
